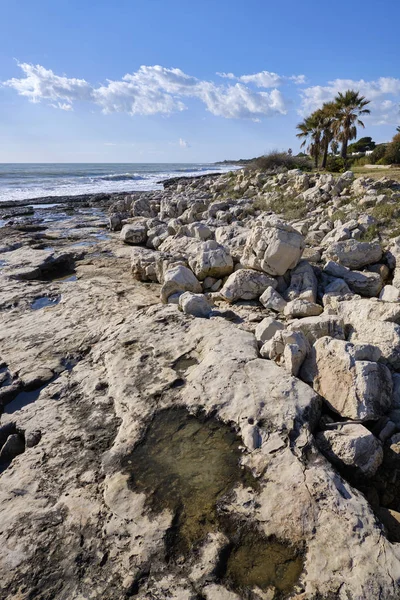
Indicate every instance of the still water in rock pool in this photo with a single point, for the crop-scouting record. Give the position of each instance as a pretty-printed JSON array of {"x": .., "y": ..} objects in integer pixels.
[{"x": 188, "y": 464}]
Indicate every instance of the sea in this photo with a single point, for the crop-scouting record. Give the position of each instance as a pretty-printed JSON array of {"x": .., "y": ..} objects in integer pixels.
[{"x": 23, "y": 181}]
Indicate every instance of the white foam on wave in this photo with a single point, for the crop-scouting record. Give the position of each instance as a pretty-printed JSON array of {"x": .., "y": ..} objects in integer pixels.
[{"x": 87, "y": 184}]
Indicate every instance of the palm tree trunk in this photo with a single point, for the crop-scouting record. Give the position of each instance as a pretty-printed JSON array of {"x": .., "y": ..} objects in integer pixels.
[
  {"x": 316, "y": 157},
  {"x": 325, "y": 157},
  {"x": 344, "y": 148}
]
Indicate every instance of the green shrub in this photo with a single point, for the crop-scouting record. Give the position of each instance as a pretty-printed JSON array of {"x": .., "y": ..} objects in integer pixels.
[
  {"x": 384, "y": 212},
  {"x": 275, "y": 161},
  {"x": 392, "y": 155},
  {"x": 338, "y": 215},
  {"x": 336, "y": 164},
  {"x": 370, "y": 233},
  {"x": 377, "y": 154},
  {"x": 361, "y": 162}
]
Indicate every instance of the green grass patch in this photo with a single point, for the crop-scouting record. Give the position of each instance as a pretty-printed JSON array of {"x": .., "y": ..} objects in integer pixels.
[{"x": 370, "y": 233}]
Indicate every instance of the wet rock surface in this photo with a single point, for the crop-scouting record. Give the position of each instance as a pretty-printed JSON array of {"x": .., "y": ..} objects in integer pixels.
[{"x": 191, "y": 458}]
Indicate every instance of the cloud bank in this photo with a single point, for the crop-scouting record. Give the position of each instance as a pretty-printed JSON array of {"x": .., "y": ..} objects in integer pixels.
[
  {"x": 384, "y": 110},
  {"x": 155, "y": 90},
  {"x": 148, "y": 91}
]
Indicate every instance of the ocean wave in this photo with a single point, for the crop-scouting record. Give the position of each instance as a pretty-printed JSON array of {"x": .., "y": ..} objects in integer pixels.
[
  {"x": 122, "y": 177},
  {"x": 196, "y": 169}
]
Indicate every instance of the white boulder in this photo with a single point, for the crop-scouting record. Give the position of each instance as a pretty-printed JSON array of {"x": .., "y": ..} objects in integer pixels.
[
  {"x": 134, "y": 233},
  {"x": 352, "y": 445},
  {"x": 351, "y": 383},
  {"x": 246, "y": 284},
  {"x": 195, "y": 304},
  {"x": 179, "y": 279},
  {"x": 267, "y": 328},
  {"x": 273, "y": 247}
]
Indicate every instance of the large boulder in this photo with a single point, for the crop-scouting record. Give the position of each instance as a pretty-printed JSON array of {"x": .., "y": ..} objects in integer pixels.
[
  {"x": 266, "y": 329},
  {"x": 234, "y": 238},
  {"x": 211, "y": 260},
  {"x": 352, "y": 445},
  {"x": 179, "y": 279},
  {"x": 364, "y": 283},
  {"x": 246, "y": 284},
  {"x": 319, "y": 326},
  {"x": 349, "y": 379},
  {"x": 134, "y": 233},
  {"x": 354, "y": 254},
  {"x": 373, "y": 322},
  {"x": 195, "y": 304},
  {"x": 302, "y": 308},
  {"x": 273, "y": 247}
]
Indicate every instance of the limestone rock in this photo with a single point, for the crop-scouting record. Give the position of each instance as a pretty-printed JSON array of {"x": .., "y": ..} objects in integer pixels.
[
  {"x": 316, "y": 327},
  {"x": 273, "y": 247},
  {"x": 370, "y": 322},
  {"x": 288, "y": 349},
  {"x": 352, "y": 446},
  {"x": 390, "y": 293},
  {"x": 246, "y": 284},
  {"x": 134, "y": 233},
  {"x": 364, "y": 283},
  {"x": 179, "y": 279},
  {"x": 143, "y": 264},
  {"x": 267, "y": 329},
  {"x": 212, "y": 260},
  {"x": 195, "y": 304},
  {"x": 233, "y": 237},
  {"x": 354, "y": 254},
  {"x": 272, "y": 299},
  {"x": 303, "y": 283},
  {"x": 352, "y": 386},
  {"x": 302, "y": 308}
]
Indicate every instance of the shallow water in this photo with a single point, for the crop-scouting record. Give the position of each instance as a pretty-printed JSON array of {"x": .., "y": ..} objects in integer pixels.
[
  {"x": 187, "y": 465},
  {"x": 44, "y": 301},
  {"x": 65, "y": 278}
]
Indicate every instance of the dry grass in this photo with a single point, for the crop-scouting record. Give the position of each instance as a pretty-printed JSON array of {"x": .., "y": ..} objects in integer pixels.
[{"x": 392, "y": 173}]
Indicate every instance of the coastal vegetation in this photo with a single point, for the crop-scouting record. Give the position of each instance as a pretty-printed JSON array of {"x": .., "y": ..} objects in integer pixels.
[
  {"x": 334, "y": 121},
  {"x": 326, "y": 135}
]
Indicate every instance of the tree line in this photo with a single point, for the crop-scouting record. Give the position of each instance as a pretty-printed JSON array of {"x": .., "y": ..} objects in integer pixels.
[{"x": 333, "y": 124}]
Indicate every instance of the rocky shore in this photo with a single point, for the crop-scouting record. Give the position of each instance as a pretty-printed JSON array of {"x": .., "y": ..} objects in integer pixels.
[{"x": 200, "y": 393}]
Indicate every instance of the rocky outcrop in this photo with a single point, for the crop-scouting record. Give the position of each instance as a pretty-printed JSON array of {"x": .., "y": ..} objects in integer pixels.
[
  {"x": 349, "y": 378},
  {"x": 131, "y": 425}
]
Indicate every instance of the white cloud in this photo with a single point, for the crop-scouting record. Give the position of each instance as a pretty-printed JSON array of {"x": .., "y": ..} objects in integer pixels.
[
  {"x": 265, "y": 79},
  {"x": 40, "y": 83},
  {"x": 149, "y": 90},
  {"x": 383, "y": 110},
  {"x": 63, "y": 106},
  {"x": 183, "y": 143}
]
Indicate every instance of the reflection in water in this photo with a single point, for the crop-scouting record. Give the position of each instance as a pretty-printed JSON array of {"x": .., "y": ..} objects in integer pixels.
[{"x": 187, "y": 465}]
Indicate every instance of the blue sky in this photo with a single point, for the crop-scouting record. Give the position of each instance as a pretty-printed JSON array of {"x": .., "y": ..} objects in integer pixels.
[{"x": 172, "y": 80}]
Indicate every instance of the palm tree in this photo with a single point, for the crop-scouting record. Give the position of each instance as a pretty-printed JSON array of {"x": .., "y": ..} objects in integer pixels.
[
  {"x": 310, "y": 131},
  {"x": 349, "y": 107},
  {"x": 326, "y": 118}
]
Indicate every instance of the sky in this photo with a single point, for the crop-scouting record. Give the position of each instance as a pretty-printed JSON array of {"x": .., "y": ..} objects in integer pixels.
[{"x": 186, "y": 80}]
